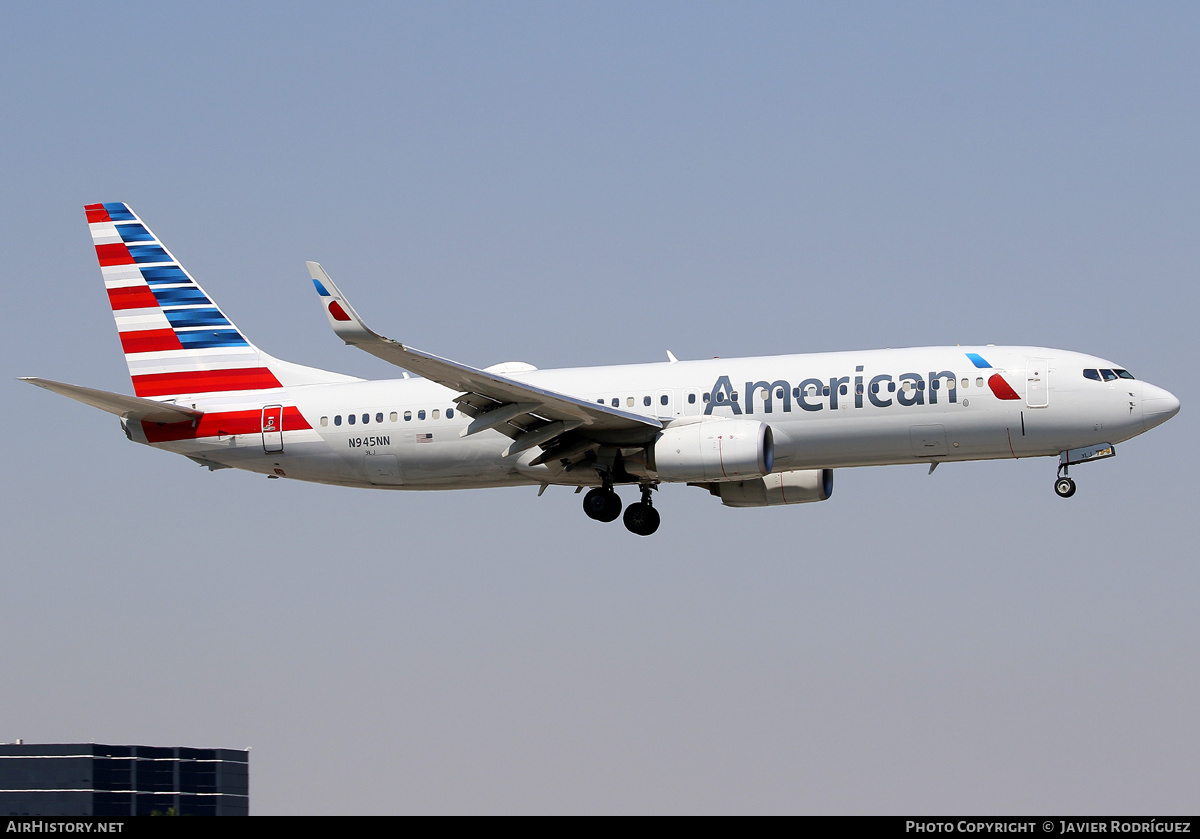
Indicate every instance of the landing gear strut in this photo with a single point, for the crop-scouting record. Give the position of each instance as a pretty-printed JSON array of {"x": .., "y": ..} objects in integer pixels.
[
  {"x": 1063, "y": 484},
  {"x": 641, "y": 518}
]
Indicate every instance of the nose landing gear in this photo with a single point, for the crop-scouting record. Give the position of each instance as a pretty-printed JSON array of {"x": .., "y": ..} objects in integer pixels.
[{"x": 1064, "y": 486}]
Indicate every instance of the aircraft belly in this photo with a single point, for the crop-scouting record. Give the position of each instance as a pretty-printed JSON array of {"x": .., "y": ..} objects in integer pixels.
[
  {"x": 452, "y": 458},
  {"x": 841, "y": 441}
]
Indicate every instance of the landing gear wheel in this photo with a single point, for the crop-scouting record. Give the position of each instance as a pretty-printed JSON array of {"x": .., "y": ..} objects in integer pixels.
[
  {"x": 602, "y": 504},
  {"x": 641, "y": 518},
  {"x": 1065, "y": 487}
]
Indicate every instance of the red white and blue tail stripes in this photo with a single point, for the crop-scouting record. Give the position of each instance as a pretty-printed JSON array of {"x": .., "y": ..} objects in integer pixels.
[{"x": 176, "y": 341}]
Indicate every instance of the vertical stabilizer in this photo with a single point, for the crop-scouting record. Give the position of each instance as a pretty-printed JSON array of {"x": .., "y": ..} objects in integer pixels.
[{"x": 177, "y": 342}]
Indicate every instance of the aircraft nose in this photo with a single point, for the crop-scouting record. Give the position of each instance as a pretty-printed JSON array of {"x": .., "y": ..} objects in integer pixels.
[{"x": 1158, "y": 405}]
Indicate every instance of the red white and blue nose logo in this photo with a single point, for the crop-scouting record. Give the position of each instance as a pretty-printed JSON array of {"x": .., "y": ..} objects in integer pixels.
[{"x": 1001, "y": 388}]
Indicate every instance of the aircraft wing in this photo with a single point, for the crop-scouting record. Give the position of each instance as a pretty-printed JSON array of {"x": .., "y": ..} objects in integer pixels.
[
  {"x": 126, "y": 407},
  {"x": 510, "y": 406}
]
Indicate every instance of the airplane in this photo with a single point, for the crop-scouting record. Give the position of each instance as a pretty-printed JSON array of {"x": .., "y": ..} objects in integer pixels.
[{"x": 754, "y": 432}]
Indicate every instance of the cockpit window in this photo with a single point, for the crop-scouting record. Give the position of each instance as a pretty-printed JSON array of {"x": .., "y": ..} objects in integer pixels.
[
  {"x": 1109, "y": 375},
  {"x": 1092, "y": 374},
  {"x": 1124, "y": 374}
]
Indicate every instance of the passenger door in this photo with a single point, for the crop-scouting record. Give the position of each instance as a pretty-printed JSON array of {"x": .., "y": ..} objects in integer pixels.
[{"x": 1037, "y": 383}]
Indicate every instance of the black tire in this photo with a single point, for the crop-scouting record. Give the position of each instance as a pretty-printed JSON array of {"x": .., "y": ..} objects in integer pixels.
[
  {"x": 641, "y": 518},
  {"x": 595, "y": 503},
  {"x": 1065, "y": 487},
  {"x": 602, "y": 504},
  {"x": 613, "y": 511}
]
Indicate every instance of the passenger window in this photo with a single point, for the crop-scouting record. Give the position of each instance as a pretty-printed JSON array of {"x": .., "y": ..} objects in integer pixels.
[
  {"x": 393, "y": 416},
  {"x": 779, "y": 393},
  {"x": 420, "y": 415},
  {"x": 1109, "y": 375},
  {"x": 706, "y": 397},
  {"x": 891, "y": 387},
  {"x": 436, "y": 414},
  {"x": 350, "y": 418},
  {"x": 936, "y": 384},
  {"x": 324, "y": 421},
  {"x": 379, "y": 418},
  {"x": 825, "y": 390},
  {"x": 663, "y": 399},
  {"x": 843, "y": 390},
  {"x": 966, "y": 383},
  {"x": 1094, "y": 375},
  {"x": 337, "y": 420},
  {"x": 366, "y": 418},
  {"x": 628, "y": 401},
  {"x": 407, "y": 416},
  {"x": 921, "y": 385},
  {"x": 600, "y": 401},
  {"x": 908, "y": 385},
  {"x": 858, "y": 388},
  {"x": 449, "y": 413},
  {"x": 734, "y": 396},
  {"x": 616, "y": 403},
  {"x": 691, "y": 399},
  {"x": 874, "y": 387},
  {"x": 646, "y": 401},
  {"x": 796, "y": 392},
  {"x": 979, "y": 382}
]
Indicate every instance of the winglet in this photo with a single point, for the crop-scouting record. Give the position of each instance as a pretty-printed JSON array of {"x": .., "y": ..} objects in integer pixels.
[{"x": 346, "y": 322}]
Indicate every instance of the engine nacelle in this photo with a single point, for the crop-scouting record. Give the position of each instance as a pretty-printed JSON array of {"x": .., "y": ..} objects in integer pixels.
[
  {"x": 714, "y": 450},
  {"x": 799, "y": 486}
]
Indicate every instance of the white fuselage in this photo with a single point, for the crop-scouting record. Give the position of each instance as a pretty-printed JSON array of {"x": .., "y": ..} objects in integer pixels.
[{"x": 825, "y": 410}]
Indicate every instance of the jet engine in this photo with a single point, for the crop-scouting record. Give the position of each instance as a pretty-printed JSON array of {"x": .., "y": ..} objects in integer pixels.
[
  {"x": 714, "y": 450},
  {"x": 799, "y": 486}
]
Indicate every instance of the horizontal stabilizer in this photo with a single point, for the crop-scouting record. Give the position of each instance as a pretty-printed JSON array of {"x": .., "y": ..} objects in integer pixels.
[{"x": 126, "y": 407}]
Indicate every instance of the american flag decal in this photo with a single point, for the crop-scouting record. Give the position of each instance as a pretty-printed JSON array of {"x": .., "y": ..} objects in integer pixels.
[{"x": 424, "y": 438}]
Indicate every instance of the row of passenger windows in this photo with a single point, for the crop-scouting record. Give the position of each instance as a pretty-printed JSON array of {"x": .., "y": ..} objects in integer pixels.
[
  {"x": 665, "y": 399},
  {"x": 811, "y": 390},
  {"x": 1107, "y": 375},
  {"x": 365, "y": 419}
]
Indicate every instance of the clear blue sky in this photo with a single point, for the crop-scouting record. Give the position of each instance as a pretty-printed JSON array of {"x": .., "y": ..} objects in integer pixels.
[{"x": 570, "y": 184}]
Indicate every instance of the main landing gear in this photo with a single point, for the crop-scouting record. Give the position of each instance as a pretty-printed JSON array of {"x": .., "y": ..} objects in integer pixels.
[{"x": 603, "y": 504}]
